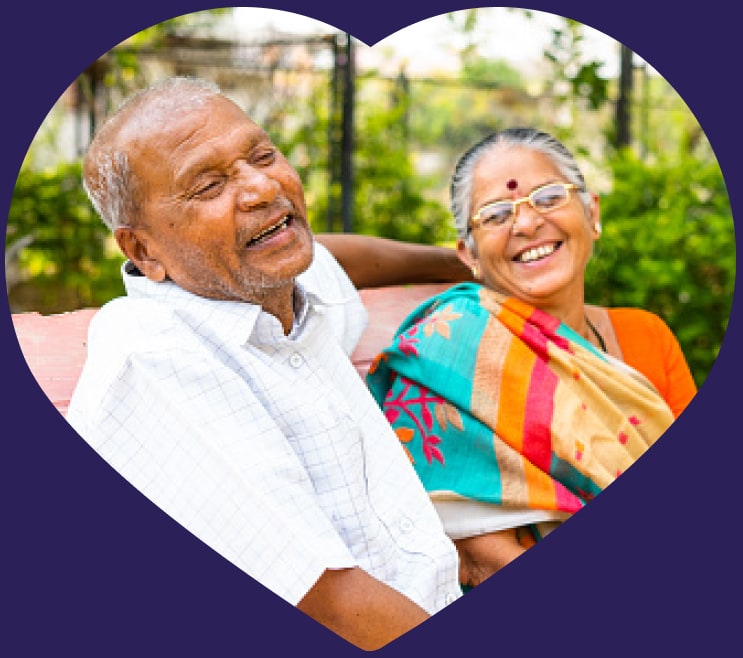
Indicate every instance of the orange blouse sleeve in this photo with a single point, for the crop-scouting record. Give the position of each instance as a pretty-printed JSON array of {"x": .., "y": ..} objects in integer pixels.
[{"x": 648, "y": 345}]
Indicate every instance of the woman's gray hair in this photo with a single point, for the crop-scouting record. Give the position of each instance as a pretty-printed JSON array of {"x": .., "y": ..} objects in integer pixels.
[
  {"x": 108, "y": 179},
  {"x": 531, "y": 138}
]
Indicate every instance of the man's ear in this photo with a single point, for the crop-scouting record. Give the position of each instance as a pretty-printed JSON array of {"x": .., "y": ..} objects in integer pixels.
[{"x": 134, "y": 246}]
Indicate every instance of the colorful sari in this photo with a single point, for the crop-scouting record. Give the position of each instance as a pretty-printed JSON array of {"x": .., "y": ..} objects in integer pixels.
[{"x": 496, "y": 401}]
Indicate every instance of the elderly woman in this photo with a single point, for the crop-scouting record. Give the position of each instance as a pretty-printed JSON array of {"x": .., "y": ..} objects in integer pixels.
[{"x": 515, "y": 400}]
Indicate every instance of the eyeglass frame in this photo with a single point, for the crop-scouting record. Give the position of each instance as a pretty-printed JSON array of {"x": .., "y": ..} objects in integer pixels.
[{"x": 475, "y": 221}]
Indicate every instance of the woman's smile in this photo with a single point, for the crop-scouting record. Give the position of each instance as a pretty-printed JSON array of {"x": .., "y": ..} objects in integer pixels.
[
  {"x": 537, "y": 253},
  {"x": 540, "y": 253}
]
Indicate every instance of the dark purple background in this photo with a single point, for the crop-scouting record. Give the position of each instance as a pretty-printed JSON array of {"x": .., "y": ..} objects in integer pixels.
[{"x": 92, "y": 569}]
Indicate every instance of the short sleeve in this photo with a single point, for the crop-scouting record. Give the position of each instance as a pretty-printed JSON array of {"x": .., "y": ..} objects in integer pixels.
[
  {"x": 649, "y": 345},
  {"x": 198, "y": 444}
]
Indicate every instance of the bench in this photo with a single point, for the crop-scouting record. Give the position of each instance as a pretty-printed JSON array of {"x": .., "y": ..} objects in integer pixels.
[{"x": 54, "y": 346}]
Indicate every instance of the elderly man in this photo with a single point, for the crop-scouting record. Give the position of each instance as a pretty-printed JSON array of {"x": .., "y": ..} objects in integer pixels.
[{"x": 220, "y": 386}]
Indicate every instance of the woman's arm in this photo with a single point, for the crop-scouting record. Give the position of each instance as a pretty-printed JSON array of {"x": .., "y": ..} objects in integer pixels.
[
  {"x": 481, "y": 556},
  {"x": 373, "y": 262}
]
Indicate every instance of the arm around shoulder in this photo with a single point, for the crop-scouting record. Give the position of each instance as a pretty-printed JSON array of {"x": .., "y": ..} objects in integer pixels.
[{"x": 373, "y": 262}]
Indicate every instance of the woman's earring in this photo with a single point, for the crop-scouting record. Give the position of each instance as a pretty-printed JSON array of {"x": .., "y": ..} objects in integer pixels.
[
  {"x": 597, "y": 228},
  {"x": 475, "y": 272}
]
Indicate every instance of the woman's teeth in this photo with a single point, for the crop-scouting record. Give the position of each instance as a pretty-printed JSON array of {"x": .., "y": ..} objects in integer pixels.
[{"x": 535, "y": 254}]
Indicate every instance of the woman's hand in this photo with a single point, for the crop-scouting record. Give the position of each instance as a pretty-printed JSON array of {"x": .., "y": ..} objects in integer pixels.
[{"x": 481, "y": 556}]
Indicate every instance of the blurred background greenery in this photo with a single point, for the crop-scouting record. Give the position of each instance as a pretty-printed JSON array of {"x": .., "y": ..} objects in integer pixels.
[{"x": 375, "y": 134}]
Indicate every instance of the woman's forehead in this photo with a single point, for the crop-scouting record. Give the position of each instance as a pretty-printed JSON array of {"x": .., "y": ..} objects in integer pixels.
[
  {"x": 505, "y": 156},
  {"x": 511, "y": 168}
]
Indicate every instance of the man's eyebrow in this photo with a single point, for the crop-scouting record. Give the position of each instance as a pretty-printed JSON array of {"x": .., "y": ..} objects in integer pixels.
[
  {"x": 196, "y": 166},
  {"x": 208, "y": 160}
]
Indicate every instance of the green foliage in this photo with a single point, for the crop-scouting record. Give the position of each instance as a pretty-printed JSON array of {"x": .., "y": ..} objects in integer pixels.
[
  {"x": 668, "y": 243},
  {"x": 303, "y": 141},
  {"x": 574, "y": 80},
  {"x": 390, "y": 198},
  {"x": 589, "y": 85},
  {"x": 490, "y": 72},
  {"x": 668, "y": 246},
  {"x": 70, "y": 257}
]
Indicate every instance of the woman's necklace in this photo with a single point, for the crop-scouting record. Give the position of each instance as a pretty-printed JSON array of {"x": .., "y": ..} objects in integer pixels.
[{"x": 596, "y": 333}]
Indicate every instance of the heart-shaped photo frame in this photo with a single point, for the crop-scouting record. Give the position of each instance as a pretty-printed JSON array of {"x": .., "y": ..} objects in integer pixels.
[{"x": 128, "y": 520}]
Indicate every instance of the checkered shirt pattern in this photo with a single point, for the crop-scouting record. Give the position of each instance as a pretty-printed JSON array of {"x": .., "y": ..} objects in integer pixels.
[{"x": 266, "y": 447}]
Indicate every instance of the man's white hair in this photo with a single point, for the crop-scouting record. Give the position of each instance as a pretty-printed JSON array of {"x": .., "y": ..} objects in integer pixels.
[{"x": 108, "y": 178}]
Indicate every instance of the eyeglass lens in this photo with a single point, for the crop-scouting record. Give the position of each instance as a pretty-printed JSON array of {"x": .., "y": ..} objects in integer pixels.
[{"x": 545, "y": 198}]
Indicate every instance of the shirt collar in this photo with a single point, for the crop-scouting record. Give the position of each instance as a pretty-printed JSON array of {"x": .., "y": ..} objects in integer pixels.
[{"x": 234, "y": 321}]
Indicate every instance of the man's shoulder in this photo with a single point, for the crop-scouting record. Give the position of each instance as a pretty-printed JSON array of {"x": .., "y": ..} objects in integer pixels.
[
  {"x": 131, "y": 324},
  {"x": 123, "y": 314}
]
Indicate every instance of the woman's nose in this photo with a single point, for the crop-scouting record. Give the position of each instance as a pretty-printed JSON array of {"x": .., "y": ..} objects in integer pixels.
[
  {"x": 526, "y": 220},
  {"x": 255, "y": 187}
]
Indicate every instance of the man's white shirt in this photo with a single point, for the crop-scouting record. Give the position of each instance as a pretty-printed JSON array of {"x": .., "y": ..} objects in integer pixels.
[{"x": 267, "y": 447}]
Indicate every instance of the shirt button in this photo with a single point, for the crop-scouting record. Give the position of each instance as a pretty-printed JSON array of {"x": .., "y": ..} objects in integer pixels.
[
  {"x": 406, "y": 525},
  {"x": 296, "y": 360}
]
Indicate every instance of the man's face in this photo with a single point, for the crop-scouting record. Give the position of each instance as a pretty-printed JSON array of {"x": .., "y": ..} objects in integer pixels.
[{"x": 223, "y": 213}]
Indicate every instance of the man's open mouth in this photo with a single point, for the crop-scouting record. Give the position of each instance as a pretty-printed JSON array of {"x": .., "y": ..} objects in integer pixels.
[{"x": 265, "y": 234}]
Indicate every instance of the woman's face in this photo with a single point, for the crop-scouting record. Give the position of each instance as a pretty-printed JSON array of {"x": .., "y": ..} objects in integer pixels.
[{"x": 537, "y": 257}]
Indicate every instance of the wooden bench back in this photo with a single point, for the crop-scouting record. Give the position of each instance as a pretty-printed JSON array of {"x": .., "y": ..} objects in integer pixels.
[{"x": 54, "y": 346}]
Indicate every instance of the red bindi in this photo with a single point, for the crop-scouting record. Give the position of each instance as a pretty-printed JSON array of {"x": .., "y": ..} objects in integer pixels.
[{"x": 512, "y": 184}]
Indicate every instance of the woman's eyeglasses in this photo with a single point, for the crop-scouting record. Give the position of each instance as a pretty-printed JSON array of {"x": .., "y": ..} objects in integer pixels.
[{"x": 544, "y": 199}]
